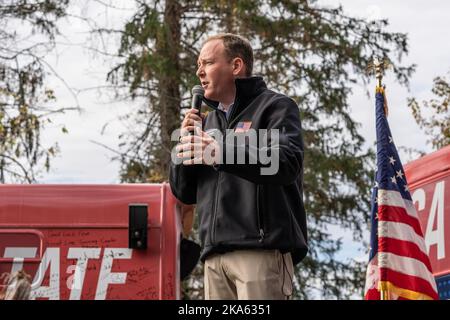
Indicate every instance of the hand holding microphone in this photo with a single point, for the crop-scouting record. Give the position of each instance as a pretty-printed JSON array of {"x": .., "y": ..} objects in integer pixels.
[
  {"x": 193, "y": 117},
  {"x": 201, "y": 147}
]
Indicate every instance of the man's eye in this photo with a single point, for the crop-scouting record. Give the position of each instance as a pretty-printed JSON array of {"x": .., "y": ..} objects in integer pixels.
[{"x": 204, "y": 63}]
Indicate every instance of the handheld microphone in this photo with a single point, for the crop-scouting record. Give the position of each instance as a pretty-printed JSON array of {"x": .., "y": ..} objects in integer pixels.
[{"x": 197, "y": 96}]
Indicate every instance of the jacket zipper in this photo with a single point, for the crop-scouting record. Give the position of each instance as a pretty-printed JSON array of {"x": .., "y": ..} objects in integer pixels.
[
  {"x": 213, "y": 225},
  {"x": 213, "y": 231},
  {"x": 260, "y": 215}
]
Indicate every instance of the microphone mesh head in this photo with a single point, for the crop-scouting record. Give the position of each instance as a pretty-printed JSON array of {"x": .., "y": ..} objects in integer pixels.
[{"x": 198, "y": 90}]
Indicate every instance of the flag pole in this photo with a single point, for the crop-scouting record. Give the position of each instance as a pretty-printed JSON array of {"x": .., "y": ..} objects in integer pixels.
[
  {"x": 379, "y": 68},
  {"x": 384, "y": 295}
]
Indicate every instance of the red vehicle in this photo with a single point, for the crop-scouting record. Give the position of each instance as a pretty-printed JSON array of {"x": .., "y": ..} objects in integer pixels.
[
  {"x": 92, "y": 241},
  {"x": 123, "y": 241},
  {"x": 429, "y": 182}
]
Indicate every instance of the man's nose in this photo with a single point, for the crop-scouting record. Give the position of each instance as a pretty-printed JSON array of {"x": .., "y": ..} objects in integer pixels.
[{"x": 200, "y": 72}]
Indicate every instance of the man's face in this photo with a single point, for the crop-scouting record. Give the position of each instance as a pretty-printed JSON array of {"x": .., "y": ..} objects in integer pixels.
[{"x": 215, "y": 72}]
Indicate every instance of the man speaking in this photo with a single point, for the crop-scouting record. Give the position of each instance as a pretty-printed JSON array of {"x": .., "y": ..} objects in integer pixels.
[{"x": 248, "y": 193}]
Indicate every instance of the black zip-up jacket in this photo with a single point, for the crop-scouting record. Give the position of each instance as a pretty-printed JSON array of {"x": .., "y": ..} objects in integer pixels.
[{"x": 238, "y": 207}]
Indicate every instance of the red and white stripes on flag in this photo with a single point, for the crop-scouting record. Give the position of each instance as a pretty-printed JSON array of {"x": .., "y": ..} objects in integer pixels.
[
  {"x": 405, "y": 269},
  {"x": 399, "y": 265}
]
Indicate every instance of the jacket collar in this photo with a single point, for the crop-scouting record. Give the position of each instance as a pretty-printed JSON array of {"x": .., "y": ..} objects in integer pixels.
[{"x": 246, "y": 90}]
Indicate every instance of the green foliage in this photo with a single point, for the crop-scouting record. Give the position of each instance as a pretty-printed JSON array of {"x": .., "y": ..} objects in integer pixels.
[
  {"x": 22, "y": 92},
  {"x": 312, "y": 53},
  {"x": 434, "y": 115}
]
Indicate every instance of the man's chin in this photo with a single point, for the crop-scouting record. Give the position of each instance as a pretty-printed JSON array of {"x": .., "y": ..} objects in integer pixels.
[{"x": 210, "y": 96}]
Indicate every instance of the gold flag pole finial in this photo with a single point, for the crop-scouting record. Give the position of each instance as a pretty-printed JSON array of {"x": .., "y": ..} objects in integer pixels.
[
  {"x": 379, "y": 71},
  {"x": 379, "y": 66}
]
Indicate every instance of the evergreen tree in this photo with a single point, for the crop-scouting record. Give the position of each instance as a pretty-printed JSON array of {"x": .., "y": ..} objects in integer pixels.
[{"x": 310, "y": 52}]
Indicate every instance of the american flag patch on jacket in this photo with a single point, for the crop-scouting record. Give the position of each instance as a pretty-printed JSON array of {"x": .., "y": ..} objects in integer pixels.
[{"x": 243, "y": 126}]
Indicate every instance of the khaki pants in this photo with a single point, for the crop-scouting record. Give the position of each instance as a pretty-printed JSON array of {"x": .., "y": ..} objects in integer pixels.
[{"x": 249, "y": 274}]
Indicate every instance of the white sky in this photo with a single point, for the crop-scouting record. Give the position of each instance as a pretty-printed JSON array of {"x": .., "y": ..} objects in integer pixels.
[
  {"x": 427, "y": 26},
  {"x": 80, "y": 159}
]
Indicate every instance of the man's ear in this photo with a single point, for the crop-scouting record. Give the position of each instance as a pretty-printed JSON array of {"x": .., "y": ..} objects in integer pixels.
[{"x": 238, "y": 67}]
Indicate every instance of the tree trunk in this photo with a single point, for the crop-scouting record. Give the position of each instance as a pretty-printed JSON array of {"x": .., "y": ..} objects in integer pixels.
[{"x": 168, "y": 48}]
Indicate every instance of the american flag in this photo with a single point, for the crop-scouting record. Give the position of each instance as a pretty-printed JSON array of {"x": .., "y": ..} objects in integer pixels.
[
  {"x": 398, "y": 261},
  {"x": 243, "y": 126}
]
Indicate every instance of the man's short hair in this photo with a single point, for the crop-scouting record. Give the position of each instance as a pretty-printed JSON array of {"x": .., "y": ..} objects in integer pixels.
[{"x": 236, "y": 46}]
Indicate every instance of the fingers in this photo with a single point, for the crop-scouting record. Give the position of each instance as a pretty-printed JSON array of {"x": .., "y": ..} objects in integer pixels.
[
  {"x": 190, "y": 122},
  {"x": 192, "y": 110},
  {"x": 197, "y": 160},
  {"x": 198, "y": 131},
  {"x": 186, "y": 131},
  {"x": 189, "y": 154},
  {"x": 195, "y": 154},
  {"x": 192, "y": 138},
  {"x": 192, "y": 147},
  {"x": 192, "y": 118},
  {"x": 188, "y": 146}
]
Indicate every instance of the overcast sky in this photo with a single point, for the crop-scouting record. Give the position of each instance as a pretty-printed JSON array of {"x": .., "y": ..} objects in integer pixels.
[{"x": 427, "y": 26}]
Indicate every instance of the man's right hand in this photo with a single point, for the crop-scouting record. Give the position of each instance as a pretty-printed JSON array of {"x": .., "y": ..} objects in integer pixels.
[{"x": 192, "y": 119}]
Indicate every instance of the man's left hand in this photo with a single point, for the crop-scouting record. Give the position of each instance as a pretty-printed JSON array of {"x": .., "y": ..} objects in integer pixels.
[{"x": 199, "y": 148}]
